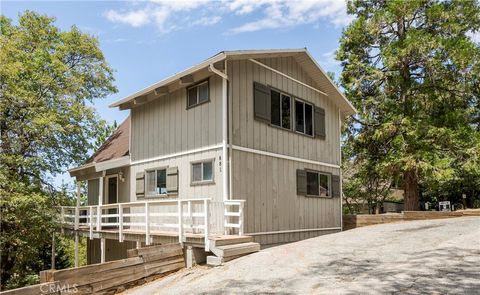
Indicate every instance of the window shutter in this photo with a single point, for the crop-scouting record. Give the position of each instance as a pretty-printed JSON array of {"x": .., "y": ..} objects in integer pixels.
[
  {"x": 336, "y": 186},
  {"x": 301, "y": 182},
  {"x": 172, "y": 180},
  {"x": 140, "y": 184},
  {"x": 262, "y": 101},
  {"x": 319, "y": 122}
]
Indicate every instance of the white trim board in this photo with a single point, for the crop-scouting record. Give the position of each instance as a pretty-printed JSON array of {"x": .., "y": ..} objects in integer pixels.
[
  {"x": 254, "y": 151},
  {"x": 292, "y": 231},
  {"x": 184, "y": 153},
  {"x": 286, "y": 76}
]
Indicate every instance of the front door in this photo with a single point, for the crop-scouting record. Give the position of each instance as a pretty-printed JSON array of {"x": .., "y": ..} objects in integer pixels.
[{"x": 112, "y": 196}]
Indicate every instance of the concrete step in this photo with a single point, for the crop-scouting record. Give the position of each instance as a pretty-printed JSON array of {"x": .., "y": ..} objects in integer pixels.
[
  {"x": 216, "y": 261},
  {"x": 229, "y": 240},
  {"x": 235, "y": 249}
]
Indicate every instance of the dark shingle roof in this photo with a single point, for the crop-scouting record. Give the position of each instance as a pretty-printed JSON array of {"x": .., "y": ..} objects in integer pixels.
[{"x": 116, "y": 146}]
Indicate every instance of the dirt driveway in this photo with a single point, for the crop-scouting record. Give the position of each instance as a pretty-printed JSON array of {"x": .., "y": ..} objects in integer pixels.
[{"x": 417, "y": 257}]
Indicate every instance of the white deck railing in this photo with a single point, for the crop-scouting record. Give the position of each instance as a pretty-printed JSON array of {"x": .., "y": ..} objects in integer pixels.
[{"x": 170, "y": 216}]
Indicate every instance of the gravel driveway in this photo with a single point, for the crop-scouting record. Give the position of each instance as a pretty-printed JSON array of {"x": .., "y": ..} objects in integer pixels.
[{"x": 417, "y": 257}]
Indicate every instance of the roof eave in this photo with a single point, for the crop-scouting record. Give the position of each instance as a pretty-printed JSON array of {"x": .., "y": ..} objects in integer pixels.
[{"x": 219, "y": 57}]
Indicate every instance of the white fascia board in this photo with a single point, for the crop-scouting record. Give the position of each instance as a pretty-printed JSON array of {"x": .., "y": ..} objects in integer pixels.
[{"x": 352, "y": 109}]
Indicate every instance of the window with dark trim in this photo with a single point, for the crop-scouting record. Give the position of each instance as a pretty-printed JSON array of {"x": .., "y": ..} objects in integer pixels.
[
  {"x": 202, "y": 172},
  {"x": 283, "y": 110},
  {"x": 280, "y": 109},
  {"x": 318, "y": 184},
  {"x": 156, "y": 182},
  {"x": 303, "y": 117},
  {"x": 198, "y": 94}
]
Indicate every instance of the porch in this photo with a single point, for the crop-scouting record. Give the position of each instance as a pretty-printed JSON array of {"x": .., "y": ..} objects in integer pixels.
[{"x": 198, "y": 223}]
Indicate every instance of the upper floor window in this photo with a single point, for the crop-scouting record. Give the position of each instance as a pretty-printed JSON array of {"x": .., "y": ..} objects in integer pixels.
[
  {"x": 303, "y": 117},
  {"x": 198, "y": 94},
  {"x": 283, "y": 110},
  {"x": 156, "y": 182},
  {"x": 202, "y": 172},
  {"x": 280, "y": 108}
]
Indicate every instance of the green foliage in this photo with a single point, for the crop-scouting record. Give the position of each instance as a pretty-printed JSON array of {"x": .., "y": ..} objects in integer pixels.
[
  {"x": 48, "y": 80},
  {"x": 104, "y": 132},
  {"x": 412, "y": 71}
]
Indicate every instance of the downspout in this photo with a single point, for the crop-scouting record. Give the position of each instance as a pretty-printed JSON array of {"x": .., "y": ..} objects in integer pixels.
[{"x": 225, "y": 174}]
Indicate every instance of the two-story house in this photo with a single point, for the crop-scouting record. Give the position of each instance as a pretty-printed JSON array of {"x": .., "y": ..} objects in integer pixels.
[{"x": 245, "y": 143}]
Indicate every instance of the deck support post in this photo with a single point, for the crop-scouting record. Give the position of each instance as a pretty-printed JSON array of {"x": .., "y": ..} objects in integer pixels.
[
  {"x": 77, "y": 211},
  {"x": 53, "y": 251},
  {"x": 189, "y": 257},
  {"x": 76, "y": 249},
  {"x": 102, "y": 250},
  {"x": 139, "y": 244}
]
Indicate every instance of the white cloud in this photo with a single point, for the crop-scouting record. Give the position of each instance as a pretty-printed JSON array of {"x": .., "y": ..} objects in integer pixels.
[
  {"x": 281, "y": 14},
  {"x": 134, "y": 18},
  {"x": 170, "y": 15},
  {"x": 207, "y": 21}
]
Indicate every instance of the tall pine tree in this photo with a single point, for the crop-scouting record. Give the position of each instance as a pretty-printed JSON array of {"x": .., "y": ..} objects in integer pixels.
[{"x": 413, "y": 71}]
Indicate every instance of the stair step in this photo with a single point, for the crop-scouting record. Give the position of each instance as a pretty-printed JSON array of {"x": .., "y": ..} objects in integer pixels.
[
  {"x": 236, "y": 249},
  {"x": 229, "y": 240}
]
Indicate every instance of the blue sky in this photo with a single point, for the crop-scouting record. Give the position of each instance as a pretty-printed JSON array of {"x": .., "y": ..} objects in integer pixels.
[{"x": 146, "y": 41}]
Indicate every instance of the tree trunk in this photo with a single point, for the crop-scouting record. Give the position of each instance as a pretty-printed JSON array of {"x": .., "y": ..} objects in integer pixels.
[{"x": 411, "y": 195}]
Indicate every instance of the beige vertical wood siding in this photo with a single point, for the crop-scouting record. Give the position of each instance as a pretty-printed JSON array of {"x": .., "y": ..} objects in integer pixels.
[
  {"x": 185, "y": 189},
  {"x": 165, "y": 125},
  {"x": 268, "y": 184},
  {"x": 123, "y": 187},
  {"x": 248, "y": 132}
]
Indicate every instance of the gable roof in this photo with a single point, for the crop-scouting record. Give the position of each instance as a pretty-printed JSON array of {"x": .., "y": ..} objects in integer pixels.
[
  {"x": 116, "y": 146},
  {"x": 301, "y": 55}
]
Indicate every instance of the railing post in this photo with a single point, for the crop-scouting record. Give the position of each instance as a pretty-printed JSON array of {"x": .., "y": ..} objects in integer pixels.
[
  {"x": 147, "y": 223},
  {"x": 91, "y": 222},
  {"x": 205, "y": 211},
  {"x": 225, "y": 218},
  {"x": 180, "y": 222},
  {"x": 240, "y": 218},
  {"x": 77, "y": 217},
  {"x": 190, "y": 218},
  {"x": 99, "y": 217},
  {"x": 120, "y": 222},
  {"x": 62, "y": 215}
]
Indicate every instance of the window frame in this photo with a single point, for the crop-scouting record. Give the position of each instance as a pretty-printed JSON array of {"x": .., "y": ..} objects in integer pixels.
[
  {"x": 304, "y": 102},
  {"x": 202, "y": 182},
  {"x": 197, "y": 86},
  {"x": 291, "y": 97},
  {"x": 147, "y": 194},
  {"x": 329, "y": 178}
]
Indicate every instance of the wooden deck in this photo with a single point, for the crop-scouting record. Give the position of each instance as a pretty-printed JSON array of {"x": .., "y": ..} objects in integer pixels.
[{"x": 158, "y": 237}]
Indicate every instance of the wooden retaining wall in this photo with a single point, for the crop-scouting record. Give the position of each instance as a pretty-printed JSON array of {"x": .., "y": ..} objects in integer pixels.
[
  {"x": 353, "y": 221},
  {"x": 142, "y": 265}
]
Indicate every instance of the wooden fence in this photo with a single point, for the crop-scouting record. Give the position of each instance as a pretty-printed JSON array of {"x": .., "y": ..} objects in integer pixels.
[
  {"x": 353, "y": 221},
  {"x": 141, "y": 265}
]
